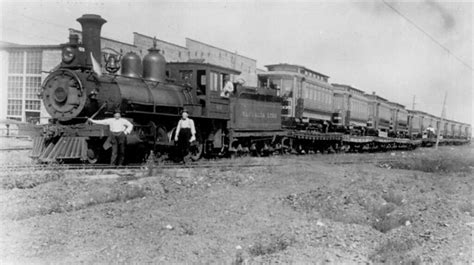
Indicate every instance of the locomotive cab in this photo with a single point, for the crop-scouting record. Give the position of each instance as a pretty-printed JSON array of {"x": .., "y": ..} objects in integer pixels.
[{"x": 206, "y": 81}]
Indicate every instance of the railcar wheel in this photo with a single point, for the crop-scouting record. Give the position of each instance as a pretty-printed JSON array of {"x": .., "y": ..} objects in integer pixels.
[
  {"x": 195, "y": 151},
  {"x": 92, "y": 157}
]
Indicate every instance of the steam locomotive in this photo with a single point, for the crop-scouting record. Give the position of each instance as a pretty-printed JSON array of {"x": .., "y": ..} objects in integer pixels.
[{"x": 151, "y": 93}]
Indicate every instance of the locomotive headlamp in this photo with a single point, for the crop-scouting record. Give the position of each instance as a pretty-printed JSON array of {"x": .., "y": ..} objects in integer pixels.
[{"x": 68, "y": 54}]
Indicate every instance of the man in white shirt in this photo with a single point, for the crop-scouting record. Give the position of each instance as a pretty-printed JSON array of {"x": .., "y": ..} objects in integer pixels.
[
  {"x": 119, "y": 128},
  {"x": 185, "y": 134},
  {"x": 228, "y": 88}
]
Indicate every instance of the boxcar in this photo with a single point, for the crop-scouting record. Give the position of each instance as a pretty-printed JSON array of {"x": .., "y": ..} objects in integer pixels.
[
  {"x": 379, "y": 115},
  {"x": 351, "y": 105},
  {"x": 414, "y": 124},
  {"x": 307, "y": 95},
  {"x": 399, "y": 120}
]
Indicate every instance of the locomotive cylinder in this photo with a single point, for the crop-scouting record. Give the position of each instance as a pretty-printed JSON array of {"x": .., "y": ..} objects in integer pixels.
[{"x": 91, "y": 27}]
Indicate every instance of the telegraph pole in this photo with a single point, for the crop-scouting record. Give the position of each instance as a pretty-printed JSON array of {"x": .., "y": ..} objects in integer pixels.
[
  {"x": 413, "y": 105},
  {"x": 443, "y": 114}
]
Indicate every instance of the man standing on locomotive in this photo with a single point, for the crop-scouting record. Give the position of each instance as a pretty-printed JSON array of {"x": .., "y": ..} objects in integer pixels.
[
  {"x": 185, "y": 134},
  {"x": 119, "y": 129},
  {"x": 228, "y": 88}
]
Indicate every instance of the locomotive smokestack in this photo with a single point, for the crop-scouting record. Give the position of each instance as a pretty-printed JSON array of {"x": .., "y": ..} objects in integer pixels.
[{"x": 91, "y": 26}]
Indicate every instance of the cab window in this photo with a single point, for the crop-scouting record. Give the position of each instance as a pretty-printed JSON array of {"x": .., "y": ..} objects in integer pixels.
[{"x": 201, "y": 82}]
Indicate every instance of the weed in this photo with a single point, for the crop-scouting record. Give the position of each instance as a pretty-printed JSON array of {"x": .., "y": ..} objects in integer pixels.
[
  {"x": 270, "y": 245},
  {"x": 393, "y": 197},
  {"x": 187, "y": 228},
  {"x": 396, "y": 251},
  {"x": 437, "y": 162},
  {"x": 30, "y": 180},
  {"x": 467, "y": 207}
]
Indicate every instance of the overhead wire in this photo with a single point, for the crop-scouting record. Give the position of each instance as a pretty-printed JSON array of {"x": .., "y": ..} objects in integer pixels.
[{"x": 428, "y": 35}]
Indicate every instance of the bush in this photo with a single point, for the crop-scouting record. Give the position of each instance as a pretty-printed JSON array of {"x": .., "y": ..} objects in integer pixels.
[
  {"x": 271, "y": 245},
  {"x": 437, "y": 162}
]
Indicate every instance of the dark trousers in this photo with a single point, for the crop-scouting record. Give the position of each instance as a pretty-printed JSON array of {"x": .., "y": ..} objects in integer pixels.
[
  {"x": 183, "y": 142},
  {"x": 118, "y": 142}
]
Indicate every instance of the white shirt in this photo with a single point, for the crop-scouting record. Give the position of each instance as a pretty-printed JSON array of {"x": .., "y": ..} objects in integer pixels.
[
  {"x": 228, "y": 88},
  {"x": 117, "y": 125},
  {"x": 187, "y": 123}
]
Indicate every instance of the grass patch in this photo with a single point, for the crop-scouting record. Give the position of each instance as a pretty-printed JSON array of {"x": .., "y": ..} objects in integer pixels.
[
  {"x": 29, "y": 180},
  {"x": 441, "y": 161},
  {"x": 467, "y": 207},
  {"x": 271, "y": 244},
  {"x": 393, "y": 197},
  {"x": 72, "y": 195},
  {"x": 396, "y": 251}
]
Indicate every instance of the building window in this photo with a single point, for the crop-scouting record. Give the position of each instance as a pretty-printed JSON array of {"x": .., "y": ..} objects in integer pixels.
[
  {"x": 179, "y": 54},
  {"x": 32, "y": 87},
  {"x": 208, "y": 54},
  {"x": 24, "y": 84},
  {"x": 14, "y": 108},
  {"x": 33, "y": 62},
  {"x": 16, "y": 62},
  {"x": 32, "y": 105},
  {"x": 196, "y": 53},
  {"x": 15, "y": 87}
]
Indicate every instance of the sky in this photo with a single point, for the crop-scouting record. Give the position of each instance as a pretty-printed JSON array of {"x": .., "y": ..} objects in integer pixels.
[{"x": 365, "y": 44}]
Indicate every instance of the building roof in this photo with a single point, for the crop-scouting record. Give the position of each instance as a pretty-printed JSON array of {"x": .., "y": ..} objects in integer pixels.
[
  {"x": 105, "y": 38},
  {"x": 224, "y": 50},
  {"x": 167, "y": 42},
  {"x": 300, "y": 66},
  {"x": 10, "y": 45}
]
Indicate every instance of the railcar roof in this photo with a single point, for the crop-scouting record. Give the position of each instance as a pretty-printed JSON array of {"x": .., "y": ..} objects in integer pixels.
[
  {"x": 292, "y": 74},
  {"x": 297, "y": 65},
  {"x": 205, "y": 65},
  {"x": 349, "y": 87}
]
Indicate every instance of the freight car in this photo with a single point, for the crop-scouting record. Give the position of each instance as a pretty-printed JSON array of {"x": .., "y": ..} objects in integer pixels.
[
  {"x": 307, "y": 95},
  {"x": 351, "y": 109},
  {"x": 398, "y": 121}
]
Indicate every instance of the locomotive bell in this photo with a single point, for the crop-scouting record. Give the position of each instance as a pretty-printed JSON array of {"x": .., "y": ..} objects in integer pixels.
[
  {"x": 154, "y": 65},
  {"x": 131, "y": 65}
]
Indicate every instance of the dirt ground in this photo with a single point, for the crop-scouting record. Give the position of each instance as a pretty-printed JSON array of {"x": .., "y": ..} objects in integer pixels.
[{"x": 293, "y": 209}]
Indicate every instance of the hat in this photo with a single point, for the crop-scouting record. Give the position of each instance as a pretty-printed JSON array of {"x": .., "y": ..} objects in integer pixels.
[
  {"x": 117, "y": 111},
  {"x": 184, "y": 110}
]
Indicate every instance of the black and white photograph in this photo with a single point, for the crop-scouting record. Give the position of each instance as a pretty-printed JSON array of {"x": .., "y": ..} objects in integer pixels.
[{"x": 236, "y": 132}]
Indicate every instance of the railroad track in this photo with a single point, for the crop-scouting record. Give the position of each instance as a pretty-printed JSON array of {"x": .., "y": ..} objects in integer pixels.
[{"x": 144, "y": 166}]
